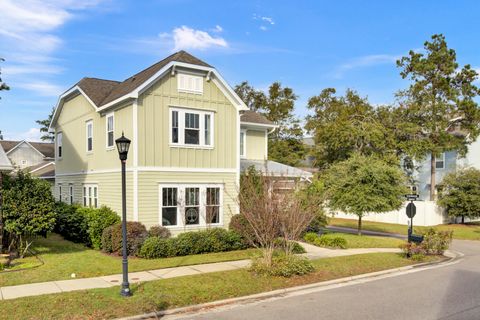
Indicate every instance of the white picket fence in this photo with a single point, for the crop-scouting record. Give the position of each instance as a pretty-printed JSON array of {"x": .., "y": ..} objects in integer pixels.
[{"x": 428, "y": 214}]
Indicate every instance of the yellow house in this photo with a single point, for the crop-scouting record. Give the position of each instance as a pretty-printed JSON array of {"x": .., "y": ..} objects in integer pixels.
[{"x": 189, "y": 131}]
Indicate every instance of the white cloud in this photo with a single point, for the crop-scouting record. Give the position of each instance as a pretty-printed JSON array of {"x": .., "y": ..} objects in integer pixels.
[
  {"x": 187, "y": 38},
  {"x": 42, "y": 88},
  {"x": 365, "y": 61},
  {"x": 263, "y": 28},
  {"x": 265, "y": 20},
  {"x": 217, "y": 29},
  {"x": 268, "y": 20},
  {"x": 28, "y": 39},
  {"x": 32, "y": 134}
]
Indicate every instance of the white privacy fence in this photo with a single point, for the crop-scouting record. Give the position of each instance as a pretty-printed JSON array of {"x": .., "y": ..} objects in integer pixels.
[{"x": 428, "y": 214}]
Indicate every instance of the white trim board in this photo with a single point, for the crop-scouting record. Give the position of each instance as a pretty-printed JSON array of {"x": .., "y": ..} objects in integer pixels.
[{"x": 153, "y": 169}]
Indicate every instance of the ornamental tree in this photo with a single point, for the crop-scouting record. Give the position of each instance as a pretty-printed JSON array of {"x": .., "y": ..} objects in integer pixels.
[
  {"x": 439, "y": 104},
  {"x": 459, "y": 193},
  {"x": 364, "y": 184}
]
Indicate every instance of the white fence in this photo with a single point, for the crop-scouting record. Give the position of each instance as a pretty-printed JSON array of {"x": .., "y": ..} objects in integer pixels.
[{"x": 428, "y": 214}]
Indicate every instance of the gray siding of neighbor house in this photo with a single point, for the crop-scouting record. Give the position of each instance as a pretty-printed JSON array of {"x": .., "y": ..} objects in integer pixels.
[
  {"x": 27, "y": 154},
  {"x": 423, "y": 174}
]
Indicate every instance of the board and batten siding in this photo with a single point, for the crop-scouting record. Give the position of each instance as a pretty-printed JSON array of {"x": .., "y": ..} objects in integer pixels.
[
  {"x": 149, "y": 211},
  {"x": 154, "y": 129},
  {"x": 256, "y": 144},
  {"x": 72, "y": 123}
]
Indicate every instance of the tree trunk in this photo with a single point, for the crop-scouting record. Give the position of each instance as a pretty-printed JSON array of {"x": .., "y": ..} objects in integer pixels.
[
  {"x": 463, "y": 219},
  {"x": 359, "y": 225},
  {"x": 432, "y": 176}
]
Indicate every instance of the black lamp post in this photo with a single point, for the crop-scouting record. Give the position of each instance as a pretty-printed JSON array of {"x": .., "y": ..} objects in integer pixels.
[{"x": 122, "y": 146}]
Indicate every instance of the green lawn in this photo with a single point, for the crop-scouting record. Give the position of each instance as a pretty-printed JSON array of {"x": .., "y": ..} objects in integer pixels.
[
  {"x": 177, "y": 292},
  {"x": 356, "y": 241},
  {"x": 469, "y": 231},
  {"x": 62, "y": 258}
]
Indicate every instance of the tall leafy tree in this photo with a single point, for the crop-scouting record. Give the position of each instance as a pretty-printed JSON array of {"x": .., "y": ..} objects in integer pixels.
[
  {"x": 349, "y": 124},
  {"x": 459, "y": 193},
  {"x": 44, "y": 125},
  {"x": 364, "y": 184},
  {"x": 439, "y": 103},
  {"x": 277, "y": 105}
]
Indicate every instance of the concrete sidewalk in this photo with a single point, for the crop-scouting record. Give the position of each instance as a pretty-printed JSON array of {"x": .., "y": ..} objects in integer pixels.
[{"x": 35, "y": 289}]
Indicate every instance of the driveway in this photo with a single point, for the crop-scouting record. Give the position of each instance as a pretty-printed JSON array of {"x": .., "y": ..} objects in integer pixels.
[{"x": 448, "y": 292}]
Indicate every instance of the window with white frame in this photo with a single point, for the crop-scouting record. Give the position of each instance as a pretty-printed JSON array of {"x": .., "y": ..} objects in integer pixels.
[
  {"x": 110, "y": 125},
  {"x": 90, "y": 195},
  {"x": 191, "y": 127},
  {"x": 190, "y": 83},
  {"x": 70, "y": 187},
  {"x": 190, "y": 205},
  {"x": 440, "y": 161},
  {"x": 243, "y": 138},
  {"x": 89, "y": 134},
  {"x": 59, "y": 144}
]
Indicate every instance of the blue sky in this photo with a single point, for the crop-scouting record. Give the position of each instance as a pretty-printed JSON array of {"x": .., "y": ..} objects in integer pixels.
[{"x": 307, "y": 45}]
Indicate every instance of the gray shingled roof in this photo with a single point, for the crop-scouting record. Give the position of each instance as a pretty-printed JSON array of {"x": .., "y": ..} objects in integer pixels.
[
  {"x": 274, "y": 169},
  {"x": 254, "y": 117},
  {"x": 45, "y": 148},
  {"x": 102, "y": 91}
]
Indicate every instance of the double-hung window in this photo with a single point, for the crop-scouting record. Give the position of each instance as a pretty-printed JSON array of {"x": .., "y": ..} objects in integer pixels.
[
  {"x": 190, "y": 205},
  {"x": 70, "y": 187},
  {"x": 440, "y": 161},
  {"x": 191, "y": 128},
  {"x": 89, "y": 134},
  {"x": 243, "y": 138},
  {"x": 110, "y": 130},
  {"x": 59, "y": 144},
  {"x": 90, "y": 195}
]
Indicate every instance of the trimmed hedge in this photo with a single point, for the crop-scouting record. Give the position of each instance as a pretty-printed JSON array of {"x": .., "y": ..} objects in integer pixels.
[
  {"x": 239, "y": 224},
  {"x": 112, "y": 238},
  {"x": 329, "y": 241},
  {"x": 83, "y": 225},
  {"x": 195, "y": 242},
  {"x": 159, "y": 231}
]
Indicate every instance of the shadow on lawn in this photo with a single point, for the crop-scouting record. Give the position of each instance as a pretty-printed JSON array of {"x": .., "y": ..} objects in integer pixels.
[{"x": 54, "y": 243}]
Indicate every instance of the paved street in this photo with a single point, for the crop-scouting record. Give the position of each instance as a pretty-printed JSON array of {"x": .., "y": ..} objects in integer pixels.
[{"x": 450, "y": 292}]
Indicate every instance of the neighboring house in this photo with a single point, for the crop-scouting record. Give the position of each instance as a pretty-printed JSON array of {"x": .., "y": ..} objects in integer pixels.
[
  {"x": 188, "y": 129},
  {"x": 36, "y": 157}
]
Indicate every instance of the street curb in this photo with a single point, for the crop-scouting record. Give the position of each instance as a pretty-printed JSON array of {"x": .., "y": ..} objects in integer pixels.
[{"x": 450, "y": 257}]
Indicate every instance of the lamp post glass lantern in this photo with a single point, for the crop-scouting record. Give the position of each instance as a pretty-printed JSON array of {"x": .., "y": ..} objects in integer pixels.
[{"x": 123, "y": 144}]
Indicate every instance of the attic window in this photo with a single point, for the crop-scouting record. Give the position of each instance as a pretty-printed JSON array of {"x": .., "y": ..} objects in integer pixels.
[{"x": 190, "y": 83}]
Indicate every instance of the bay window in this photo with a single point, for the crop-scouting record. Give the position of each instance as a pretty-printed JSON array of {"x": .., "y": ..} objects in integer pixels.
[
  {"x": 191, "y": 128},
  {"x": 190, "y": 205}
]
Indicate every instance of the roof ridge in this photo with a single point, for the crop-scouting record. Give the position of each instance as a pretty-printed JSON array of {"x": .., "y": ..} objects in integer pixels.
[{"x": 95, "y": 78}]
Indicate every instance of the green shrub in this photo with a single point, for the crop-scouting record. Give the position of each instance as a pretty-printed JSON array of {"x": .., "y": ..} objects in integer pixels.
[
  {"x": 318, "y": 223},
  {"x": 436, "y": 242},
  {"x": 107, "y": 239},
  {"x": 159, "y": 231},
  {"x": 195, "y": 242},
  {"x": 70, "y": 224},
  {"x": 310, "y": 237},
  {"x": 240, "y": 225},
  {"x": 156, "y": 247},
  {"x": 97, "y": 221},
  {"x": 136, "y": 235},
  {"x": 326, "y": 240},
  {"x": 410, "y": 249},
  {"x": 283, "y": 266}
]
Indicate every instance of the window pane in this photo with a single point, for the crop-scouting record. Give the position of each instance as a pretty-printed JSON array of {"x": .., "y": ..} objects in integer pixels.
[
  {"x": 110, "y": 139},
  {"x": 110, "y": 123},
  {"x": 191, "y": 195},
  {"x": 175, "y": 126},
  {"x": 207, "y": 129},
  {"x": 90, "y": 146},
  {"x": 169, "y": 216},
  {"x": 60, "y": 151},
  {"x": 192, "y": 120},
  {"x": 192, "y": 136},
  {"x": 192, "y": 215},
  {"x": 213, "y": 214},
  {"x": 242, "y": 144},
  {"x": 169, "y": 197},
  {"x": 213, "y": 196}
]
